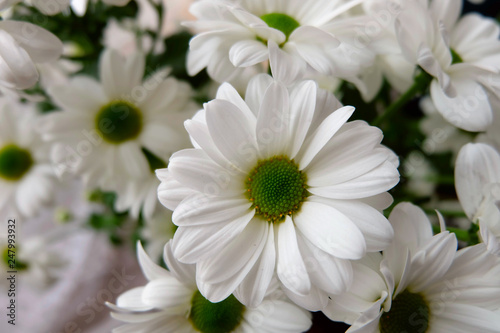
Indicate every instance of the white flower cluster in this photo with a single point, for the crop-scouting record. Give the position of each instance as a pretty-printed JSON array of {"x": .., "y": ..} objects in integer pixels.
[{"x": 279, "y": 194}]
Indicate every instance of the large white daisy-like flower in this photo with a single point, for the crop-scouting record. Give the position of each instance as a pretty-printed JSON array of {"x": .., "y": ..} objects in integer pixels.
[
  {"x": 171, "y": 302},
  {"x": 421, "y": 284},
  {"x": 23, "y": 45},
  {"x": 477, "y": 182},
  {"x": 461, "y": 54},
  {"x": 105, "y": 128},
  {"x": 278, "y": 180},
  {"x": 233, "y": 35},
  {"x": 26, "y": 176}
]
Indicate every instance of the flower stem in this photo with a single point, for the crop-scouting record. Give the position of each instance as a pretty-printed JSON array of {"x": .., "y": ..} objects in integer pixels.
[{"x": 420, "y": 84}]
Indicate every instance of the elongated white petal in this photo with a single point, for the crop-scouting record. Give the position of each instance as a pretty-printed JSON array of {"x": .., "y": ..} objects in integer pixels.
[
  {"x": 330, "y": 230},
  {"x": 291, "y": 269}
]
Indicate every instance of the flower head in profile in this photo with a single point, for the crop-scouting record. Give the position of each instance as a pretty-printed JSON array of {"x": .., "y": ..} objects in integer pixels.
[
  {"x": 233, "y": 35},
  {"x": 421, "y": 284},
  {"x": 277, "y": 180},
  {"x": 461, "y": 54},
  {"x": 26, "y": 177},
  {"x": 24, "y": 45},
  {"x": 477, "y": 182},
  {"x": 171, "y": 302},
  {"x": 120, "y": 128}
]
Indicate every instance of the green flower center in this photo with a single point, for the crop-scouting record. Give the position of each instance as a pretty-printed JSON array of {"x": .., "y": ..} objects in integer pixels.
[
  {"x": 222, "y": 317},
  {"x": 282, "y": 22},
  {"x": 277, "y": 188},
  {"x": 455, "y": 57},
  {"x": 118, "y": 122},
  {"x": 409, "y": 313},
  {"x": 14, "y": 162},
  {"x": 11, "y": 261}
]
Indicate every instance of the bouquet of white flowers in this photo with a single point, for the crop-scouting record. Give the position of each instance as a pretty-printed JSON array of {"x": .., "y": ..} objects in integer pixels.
[{"x": 288, "y": 166}]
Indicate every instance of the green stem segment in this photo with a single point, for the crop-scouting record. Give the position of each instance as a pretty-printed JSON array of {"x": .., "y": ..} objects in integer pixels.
[{"x": 419, "y": 86}]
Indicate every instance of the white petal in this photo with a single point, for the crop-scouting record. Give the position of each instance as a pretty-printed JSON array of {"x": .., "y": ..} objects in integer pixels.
[
  {"x": 132, "y": 300},
  {"x": 476, "y": 167},
  {"x": 323, "y": 134},
  {"x": 273, "y": 121},
  {"x": 218, "y": 276},
  {"x": 232, "y": 134},
  {"x": 256, "y": 90},
  {"x": 376, "y": 181},
  {"x": 182, "y": 272},
  {"x": 462, "y": 318},
  {"x": 41, "y": 45},
  {"x": 331, "y": 274},
  {"x": 198, "y": 209},
  {"x": 193, "y": 168},
  {"x": 330, "y": 230},
  {"x": 470, "y": 109},
  {"x": 167, "y": 293},
  {"x": 192, "y": 244},
  {"x": 170, "y": 191},
  {"x": 254, "y": 287},
  {"x": 247, "y": 53},
  {"x": 82, "y": 94},
  {"x": 151, "y": 270},
  {"x": 285, "y": 67},
  {"x": 281, "y": 317},
  {"x": 291, "y": 269},
  {"x": 16, "y": 67},
  {"x": 302, "y": 109}
]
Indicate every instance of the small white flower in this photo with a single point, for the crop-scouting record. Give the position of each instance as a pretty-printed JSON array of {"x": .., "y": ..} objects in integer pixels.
[
  {"x": 36, "y": 264},
  {"x": 421, "y": 284},
  {"x": 461, "y": 55},
  {"x": 233, "y": 35},
  {"x": 477, "y": 182},
  {"x": 26, "y": 176},
  {"x": 104, "y": 128},
  {"x": 278, "y": 180},
  {"x": 23, "y": 45},
  {"x": 170, "y": 302}
]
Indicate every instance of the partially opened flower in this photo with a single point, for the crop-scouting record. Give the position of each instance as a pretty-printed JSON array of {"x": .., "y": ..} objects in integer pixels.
[
  {"x": 477, "y": 181},
  {"x": 421, "y": 284},
  {"x": 104, "y": 128},
  {"x": 276, "y": 180},
  {"x": 461, "y": 55},
  {"x": 232, "y": 35},
  {"x": 26, "y": 176},
  {"x": 23, "y": 45},
  {"x": 170, "y": 302}
]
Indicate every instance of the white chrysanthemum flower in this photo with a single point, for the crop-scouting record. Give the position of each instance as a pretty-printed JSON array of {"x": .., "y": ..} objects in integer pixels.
[
  {"x": 23, "y": 45},
  {"x": 26, "y": 176},
  {"x": 477, "y": 182},
  {"x": 105, "y": 128},
  {"x": 422, "y": 284},
  {"x": 461, "y": 55},
  {"x": 278, "y": 180},
  {"x": 233, "y": 35},
  {"x": 35, "y": 264},
  {"x": 170, "y": 302}
]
